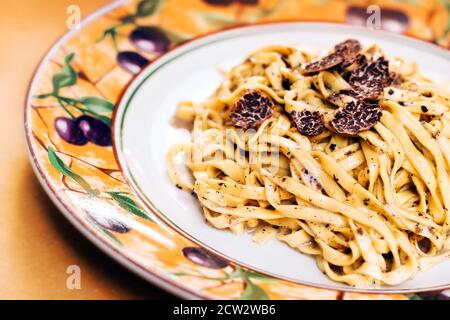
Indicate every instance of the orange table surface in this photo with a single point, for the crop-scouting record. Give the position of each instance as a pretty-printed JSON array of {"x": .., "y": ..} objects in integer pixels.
[{"x": 37, "y": 244}]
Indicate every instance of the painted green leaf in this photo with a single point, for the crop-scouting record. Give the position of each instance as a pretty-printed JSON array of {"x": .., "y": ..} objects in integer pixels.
[
  {"x": 128, "y": 19},
  {"x": 148, "y": 7},
  {"x": 97, "y": 104},
  {"x": 244, "y": 274},
  {"x": 43, "y": 96},
  {"x": 111, "y": 32},
  {"x": 254, "y": 292},
  {"x": 66, "y": 171},
  {"x": 257, "y": 276},
  {"x": 105, "y": 119},
  {"x": 129, "y": 204},
  {"x": 175, "y": 37},
  {"x": 237, "y": 274},
  {"x": 446, "y": 4},
  {"x": 66, "y": 77}
]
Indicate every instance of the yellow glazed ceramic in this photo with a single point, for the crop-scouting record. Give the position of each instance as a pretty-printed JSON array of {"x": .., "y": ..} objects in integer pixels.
[{"x": 71, "y": 105}]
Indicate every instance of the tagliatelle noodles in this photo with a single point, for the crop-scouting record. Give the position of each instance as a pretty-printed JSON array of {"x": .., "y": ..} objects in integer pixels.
[{"x": 371, "y": 208}]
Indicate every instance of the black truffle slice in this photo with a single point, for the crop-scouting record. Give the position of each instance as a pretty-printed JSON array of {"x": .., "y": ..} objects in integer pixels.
[
  {"x": 349, "y": 50},
  {"x": 325, "y": 63},
  {"x": 369, "y": 79},
  {"x": 356, "y": 117},
  {"x": 308, "y": 123},
  {"x": 344, "y": 54},
  {"x": 251, "y": 110}
]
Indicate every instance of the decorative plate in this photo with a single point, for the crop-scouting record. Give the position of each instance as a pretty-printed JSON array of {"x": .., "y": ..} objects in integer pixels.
[{"x": 77, "y": 122}]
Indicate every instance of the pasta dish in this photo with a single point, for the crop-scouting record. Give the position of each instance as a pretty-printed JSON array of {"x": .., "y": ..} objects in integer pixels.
[{"x": 343, "y": 155}]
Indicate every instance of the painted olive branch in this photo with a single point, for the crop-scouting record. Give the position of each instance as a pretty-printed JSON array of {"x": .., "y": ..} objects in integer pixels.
[
  {"x": 123, "y": 199},
  {"x": 95, "y": 106},
  {"x": 66, "y": 171},
  {"x": 94, "y": 125},
  {"x": 125, "y": 202},
  {"x": 60, "y": 102},
  {"x": 144, "y": 8}
]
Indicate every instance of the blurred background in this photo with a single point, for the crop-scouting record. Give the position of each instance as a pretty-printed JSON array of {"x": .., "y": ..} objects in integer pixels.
[{"x": 37, "y": 244}]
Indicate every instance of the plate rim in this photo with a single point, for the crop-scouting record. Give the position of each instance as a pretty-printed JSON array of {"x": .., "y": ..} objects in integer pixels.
[
  {"x": 155, "y": 277},
  {"x": 133, "y": 87},
  {"x": 146, "y": 273}
]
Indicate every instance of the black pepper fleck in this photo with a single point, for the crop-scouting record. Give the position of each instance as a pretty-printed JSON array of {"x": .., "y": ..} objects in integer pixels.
[
  {"x": 332, "y": 147},
  {"x": 286, "y": 83}
]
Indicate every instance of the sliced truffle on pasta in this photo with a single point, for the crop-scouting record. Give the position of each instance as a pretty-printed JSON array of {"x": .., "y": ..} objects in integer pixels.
[
  {"x": 356, "y": 117},
  {"x": 252, "y": 108},
  {"x": 349, "y": 50},
  {"x": 308, "y": 123},
  {"x": 344, "y": 54},
  {"x": 369, "y": 79},
  {"x": 325, "y": 63}
]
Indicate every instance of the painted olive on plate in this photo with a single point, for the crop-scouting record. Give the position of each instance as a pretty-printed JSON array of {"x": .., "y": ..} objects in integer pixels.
[
  {"x": 390, "y": 19},
  {"x": 95, "y": 131},
  {"x": 435, "y": 295},
  {"x": 219, "y": 2},
  {"x": 109, "y": 223},
  {"x": 150, "y": 39},
  {"x": 204, "y": 258},
  {"x": 248, "y": 2},
  {"x": 69, "y": 131},
  {"x": 131, "y": 61},
  {"x": 394, "y": 20}
]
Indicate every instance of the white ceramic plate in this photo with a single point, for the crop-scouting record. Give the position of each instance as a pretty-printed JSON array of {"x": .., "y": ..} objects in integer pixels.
[{"x": 143, "y": 133}]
